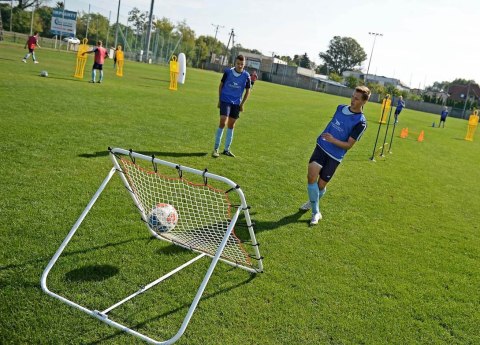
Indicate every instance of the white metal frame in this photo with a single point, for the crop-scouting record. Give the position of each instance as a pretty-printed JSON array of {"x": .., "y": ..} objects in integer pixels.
[{"x": 103, "y": 315}]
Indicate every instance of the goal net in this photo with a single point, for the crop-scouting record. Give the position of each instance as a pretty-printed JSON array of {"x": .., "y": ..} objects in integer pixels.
[
  {"x": 198, "y": 213},
  {"x": 203, "y": 212}
]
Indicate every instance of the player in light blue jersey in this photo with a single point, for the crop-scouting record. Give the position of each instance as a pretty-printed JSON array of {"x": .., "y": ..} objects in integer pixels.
[
  {"x": 234, "y": 83},
  {"x": 342, "y": 132}
]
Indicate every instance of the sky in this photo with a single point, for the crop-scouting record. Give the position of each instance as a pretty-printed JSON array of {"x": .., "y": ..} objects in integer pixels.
[{"x": 422, "y": 41}]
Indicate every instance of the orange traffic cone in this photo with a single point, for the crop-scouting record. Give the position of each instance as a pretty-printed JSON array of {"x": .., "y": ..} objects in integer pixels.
[
  {"x": 420, "y": 137},
  {"x": 404, "y": 133}
]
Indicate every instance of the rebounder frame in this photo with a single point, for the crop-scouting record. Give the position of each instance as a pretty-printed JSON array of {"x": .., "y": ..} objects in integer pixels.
[{"x": 103, "y": 315}]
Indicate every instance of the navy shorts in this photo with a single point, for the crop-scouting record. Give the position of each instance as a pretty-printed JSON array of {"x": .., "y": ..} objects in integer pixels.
[
  {"x": 30, "y": 50},
  {"x": 97, "y": 66},
  {"x": 230, "y": 110},
  {"x": 328, "y": 164}
]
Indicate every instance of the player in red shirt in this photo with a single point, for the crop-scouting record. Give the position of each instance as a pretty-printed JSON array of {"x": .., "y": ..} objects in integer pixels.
[
  {"x": 100, "y": 55},
  {"x": 32, "y": 42}
]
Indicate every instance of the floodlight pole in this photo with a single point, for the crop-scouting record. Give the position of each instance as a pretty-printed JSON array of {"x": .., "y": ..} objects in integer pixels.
[
  {"x": 116, "y": 25},
  {"x": 149, "y": 31},
  {"x": 374, "y": 34}
]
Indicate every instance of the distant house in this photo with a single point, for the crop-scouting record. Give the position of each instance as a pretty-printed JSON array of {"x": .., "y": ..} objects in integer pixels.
[
  {"x": 459, "y": 92},
  {"x": 384, "y": 81}
]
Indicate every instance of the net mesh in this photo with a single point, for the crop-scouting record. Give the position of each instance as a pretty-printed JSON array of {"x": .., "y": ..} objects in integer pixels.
[{"x": 204, "y": 212}]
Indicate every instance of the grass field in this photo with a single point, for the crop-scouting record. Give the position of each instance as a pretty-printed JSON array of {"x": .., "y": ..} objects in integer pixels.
[{"x": 396, "y": 259}]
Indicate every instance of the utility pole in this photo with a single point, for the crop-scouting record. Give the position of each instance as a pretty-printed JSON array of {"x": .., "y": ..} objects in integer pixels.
[
  {"x": 466, "y": 100},
  {"x": 216, "y": 26},
  {"x": 225, "y": 60}
]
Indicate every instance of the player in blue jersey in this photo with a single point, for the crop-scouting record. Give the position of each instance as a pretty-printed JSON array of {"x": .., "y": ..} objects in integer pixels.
[
  {"x": 342, "y": 132},
  {"x": 232, "y": 86},
  {"x": 443, "y": 117},
  {"x": 400, "y": 106}
]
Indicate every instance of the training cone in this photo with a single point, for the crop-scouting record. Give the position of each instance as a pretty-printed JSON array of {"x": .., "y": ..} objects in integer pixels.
[
  {"x": 420, "y": 137},
  {"x": 404, "y": 133}
]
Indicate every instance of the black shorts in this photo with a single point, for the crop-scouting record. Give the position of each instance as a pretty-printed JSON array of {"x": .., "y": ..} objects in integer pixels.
[
  {"x": 397, "y": 111},
  {"x": 328, "y": 164},
  {"x": 30, "y": 50},
  {"x": 97, "y": 66},
  {"x": 230, "y": 110}
]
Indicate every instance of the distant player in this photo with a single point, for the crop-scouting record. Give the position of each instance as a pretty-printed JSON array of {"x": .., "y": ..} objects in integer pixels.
[
  {"x": 342, "y": 132},
  {"x": 253, "y": 77},
  {"x": 443, "y": 117},
  {"x": 100, "y": 55},
  {"x": 234, "y": 82},
  {"x": 31, "y": 43},
  {"x": 400, "y": 106}
]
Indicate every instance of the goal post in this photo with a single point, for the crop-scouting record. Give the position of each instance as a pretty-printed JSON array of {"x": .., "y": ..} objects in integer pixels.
[{"x": 204, "y": 222}]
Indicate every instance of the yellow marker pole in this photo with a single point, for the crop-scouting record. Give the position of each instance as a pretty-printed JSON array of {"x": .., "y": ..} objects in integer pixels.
[
  {"x": 120, "y": 59},
  {"x": 173, "y": 73},
  {"x": 472, "y": 125},
  {"x": 386, "y": 103},
  {"x": 81, "y": 59}
]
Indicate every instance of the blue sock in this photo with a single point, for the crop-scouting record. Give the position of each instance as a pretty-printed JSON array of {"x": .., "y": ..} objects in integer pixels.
[
  {"x": 93, "y": 74},
  {"x": 101, "y": 75},
  {"x": 313, "y": 195},
  {"x": 228, "y": 140},
  {"x": 218, "y": 138}
]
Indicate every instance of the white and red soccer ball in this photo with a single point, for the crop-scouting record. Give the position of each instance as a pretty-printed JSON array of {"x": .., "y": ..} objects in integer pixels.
[{"x": 163, "y": 217}]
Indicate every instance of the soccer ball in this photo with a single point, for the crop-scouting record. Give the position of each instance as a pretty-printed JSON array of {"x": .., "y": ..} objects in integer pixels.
[
  {"x": 44, "y": 74},
  {"x": 163, "y": 217}
]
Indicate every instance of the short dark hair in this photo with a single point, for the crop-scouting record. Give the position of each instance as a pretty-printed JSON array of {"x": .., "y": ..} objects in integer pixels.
[
  {"x": 240, "y": 57},
  {"x": 365, "y": 91}
]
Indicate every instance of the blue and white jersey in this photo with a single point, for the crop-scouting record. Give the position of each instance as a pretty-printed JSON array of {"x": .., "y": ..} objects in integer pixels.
[
  {"x": 444, "y": 114},
  {"x": 234, "y": 84},
  {"x": 400, "y": 104},
  {"x": 343, "y": 125}
]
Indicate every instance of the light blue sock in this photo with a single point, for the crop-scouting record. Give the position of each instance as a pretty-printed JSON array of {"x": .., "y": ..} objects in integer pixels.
[
  {"x": 313, "y": 195},
  {"x": 27, "y": 56},
  {"x": 33, "y": 56},
  {"x": 228, "y": 140},
  {"x": 93, "y": 74},
  {"x": 218, "y": 137},
  {"x": 101, "y": 75}
]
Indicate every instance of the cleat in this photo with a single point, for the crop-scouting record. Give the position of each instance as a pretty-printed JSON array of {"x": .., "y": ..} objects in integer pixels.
[
  {"x": 92, "y": 81},
  {"x": 306, "y": 206},
  {"x": 24, "y": 61},
  {"x": 315, "y": 218},
  {"x": 228, "y": 153},
  {"x": 35, "y": 61},
  {"x": 215, "y": 153},
  {"x": 99, "y": 81}
]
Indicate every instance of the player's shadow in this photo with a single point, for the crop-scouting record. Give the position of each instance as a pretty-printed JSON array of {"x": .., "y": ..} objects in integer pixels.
[
  {"x": 260, "y": 225},
  {"x": 185, "y": 306},
  {"x": 156, "y": 79},
  {"x": 147, "y": 153},
  {"x": 64, "y": 78}
]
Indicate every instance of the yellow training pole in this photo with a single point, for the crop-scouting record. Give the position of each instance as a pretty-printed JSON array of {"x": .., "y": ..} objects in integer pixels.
[
  {"x": 386, "y": 103},
  {"x": 472, "y": 125},
  {"x": 81, "y": 59},
  {"x": 120, "y": 59},
  {"x": 173, "y": 73}
]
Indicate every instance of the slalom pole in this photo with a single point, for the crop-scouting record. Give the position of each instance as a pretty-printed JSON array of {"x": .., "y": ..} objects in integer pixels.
[
  {"x": 386, "y": 130},
  {"x": 378, "y": 133},
  {"x": 391, "y": 138}
]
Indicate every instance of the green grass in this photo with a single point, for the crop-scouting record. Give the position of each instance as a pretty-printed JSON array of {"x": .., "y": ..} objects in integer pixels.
[{"x": 396, "y": 259}]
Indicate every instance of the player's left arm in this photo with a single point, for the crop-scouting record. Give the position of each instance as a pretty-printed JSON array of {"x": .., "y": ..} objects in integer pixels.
[{"x": 246, "y": 94}]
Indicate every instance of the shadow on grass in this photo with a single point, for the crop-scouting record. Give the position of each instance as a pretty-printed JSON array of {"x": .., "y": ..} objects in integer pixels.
[
  {"x": 14, "y": 266},
  {"x": 92, "y": 273},
  {"x": 63, "y": 78},
  {"x": 148, "y": 153},
  {"x": 185, "y": 306},
  {"x": 260, "y": 226},
  {"x": 156, "y": 79}
]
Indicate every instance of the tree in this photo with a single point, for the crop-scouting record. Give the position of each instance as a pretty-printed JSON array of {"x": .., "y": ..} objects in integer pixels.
[
  {"x": 352, "y": 82},
  {"x": 304, "y": 61},
  {"x": 343, "y": 54}
]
